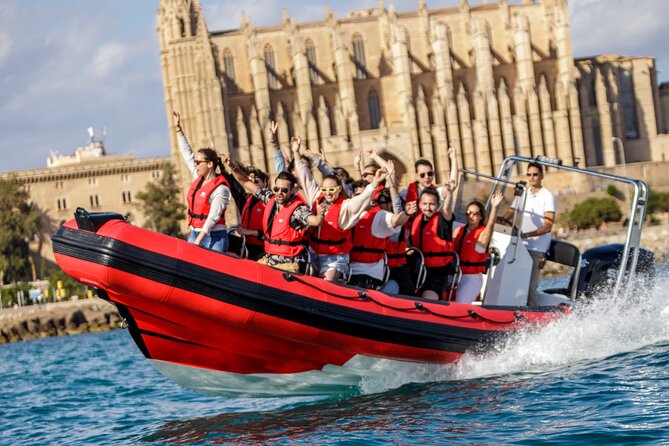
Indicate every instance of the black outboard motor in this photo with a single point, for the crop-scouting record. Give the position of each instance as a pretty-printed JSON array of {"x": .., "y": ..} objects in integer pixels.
[{"x": 600, "y": 265}]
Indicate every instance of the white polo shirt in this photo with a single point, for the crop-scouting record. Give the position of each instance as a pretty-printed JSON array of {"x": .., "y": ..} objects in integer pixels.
[{"x": 536, "y": 205}]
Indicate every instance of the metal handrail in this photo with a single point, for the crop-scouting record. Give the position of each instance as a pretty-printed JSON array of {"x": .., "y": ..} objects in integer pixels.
[
  {"x": 636, "y": 217},
  {"x": 514, "y": 221}
]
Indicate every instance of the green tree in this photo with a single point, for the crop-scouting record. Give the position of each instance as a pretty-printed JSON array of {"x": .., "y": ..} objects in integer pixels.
[
  {"x": 20, "y": 223},
  {"x": 161, "y": 204},
  {"x": 657, "y": 202},
  {"x": 593, "y": 211}
]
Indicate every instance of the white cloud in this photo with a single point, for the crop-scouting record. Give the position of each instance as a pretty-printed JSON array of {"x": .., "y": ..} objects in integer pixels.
[{"x": 109, "y": 58}]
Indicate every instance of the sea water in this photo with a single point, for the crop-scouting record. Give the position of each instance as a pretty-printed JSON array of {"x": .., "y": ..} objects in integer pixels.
[{"x": 600, "y": 376}]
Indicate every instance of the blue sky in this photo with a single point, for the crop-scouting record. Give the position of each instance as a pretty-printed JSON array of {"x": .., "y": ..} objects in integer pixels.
[{"x": 72, "y": 64}]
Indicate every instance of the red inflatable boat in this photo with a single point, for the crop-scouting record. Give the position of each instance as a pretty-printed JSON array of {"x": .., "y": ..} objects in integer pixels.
[{"x": 188, "y": 306}]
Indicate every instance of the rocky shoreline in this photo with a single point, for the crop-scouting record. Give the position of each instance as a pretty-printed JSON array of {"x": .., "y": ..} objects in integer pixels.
[{"x": 57, "y": 319}]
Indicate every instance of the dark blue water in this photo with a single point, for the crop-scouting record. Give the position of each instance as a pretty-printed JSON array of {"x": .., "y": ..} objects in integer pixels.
[{"x": 598, "y": 377}]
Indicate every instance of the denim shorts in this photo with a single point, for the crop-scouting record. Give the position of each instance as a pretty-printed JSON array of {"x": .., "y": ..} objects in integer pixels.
[
  {"x": 337, "y": 262},
  {"x": 215, "y": 240}
]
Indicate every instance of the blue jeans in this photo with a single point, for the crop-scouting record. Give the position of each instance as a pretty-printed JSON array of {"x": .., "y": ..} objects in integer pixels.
[{"x": 215, "y": 240}]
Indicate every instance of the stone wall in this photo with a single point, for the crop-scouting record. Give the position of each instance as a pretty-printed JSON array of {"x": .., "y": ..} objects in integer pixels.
[{"x": 57, "y": 319}]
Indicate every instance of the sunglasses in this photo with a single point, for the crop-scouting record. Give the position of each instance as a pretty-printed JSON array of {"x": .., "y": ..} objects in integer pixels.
[
  {"x": 533, "y": 174},
  {"x": 429, "y": 174},
  {"x": 365, "y": 174},
  {"x": 329, "y": 189},
  {"x": 197, "y": 162},
  {"x": 473, "y": 213},
  {"x": 282, "y": 189},
  {"x": 256, "y": 180}
]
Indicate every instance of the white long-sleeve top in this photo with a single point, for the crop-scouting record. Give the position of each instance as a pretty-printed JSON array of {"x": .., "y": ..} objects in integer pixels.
[
  {"x": 219, "y": 198},
  {"x": 352, "y": 209}
]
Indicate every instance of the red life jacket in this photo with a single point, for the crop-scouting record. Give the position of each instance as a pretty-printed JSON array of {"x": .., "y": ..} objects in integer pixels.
[
  {"x": 435, "y": 250},
  {"x": 413, "y": 195},
  {"x": 329, "y": 238},
  {"x": 281, "y": 239},
  {"x": 471, "y": 261},
  {"x": 397, "y": 250},
  {"x": 366, "y": 247},
  {"x": 252, "y": 214},
  {"x": 198, "y": 201},
  {"x": 412, "y": 192}
]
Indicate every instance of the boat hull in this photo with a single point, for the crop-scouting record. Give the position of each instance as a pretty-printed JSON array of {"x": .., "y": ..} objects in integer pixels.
[{"x": 196, "y": 308}]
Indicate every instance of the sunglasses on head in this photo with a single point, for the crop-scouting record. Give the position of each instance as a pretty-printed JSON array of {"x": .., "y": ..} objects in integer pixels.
[
  {"x": 429, "y": 174},
  {"x": 329, "y": 189},
  {"x": 276, "y": 189},
  {"x": 533, "y": 174}
]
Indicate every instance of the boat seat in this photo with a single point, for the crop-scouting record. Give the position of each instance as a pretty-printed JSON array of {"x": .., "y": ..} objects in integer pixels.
[
  {"x": 564, "y": 253},
  {"x": 309, "y": 269},
  {"x": 237, "y": 243}
]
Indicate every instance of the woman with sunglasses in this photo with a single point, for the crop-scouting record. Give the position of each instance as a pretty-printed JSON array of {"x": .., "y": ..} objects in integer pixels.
[
  {"x": 471, "y": 243},
  {"x": 332, "y": 241},
  {"x": 208, "y": 196}
]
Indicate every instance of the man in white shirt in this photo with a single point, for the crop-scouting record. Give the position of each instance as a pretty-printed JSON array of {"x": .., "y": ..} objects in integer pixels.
[{"x": 537, "y": 223}]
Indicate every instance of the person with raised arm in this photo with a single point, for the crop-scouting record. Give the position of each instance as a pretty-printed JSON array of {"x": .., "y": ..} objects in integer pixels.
[
  {"x": 471, "y": 243},
  {"x": 332, "y": 241},
  {"x": 208, "y": 196},
  {"x": 425, "y": 176},
  {"x": 432, "y": 233},
  {"x": 368, "y": 256},
  {"x": 285, "y": 220}
]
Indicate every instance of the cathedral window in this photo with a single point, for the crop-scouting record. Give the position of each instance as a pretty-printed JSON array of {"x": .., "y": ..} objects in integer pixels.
[
  {"x": 270, "y": 63},
  {"x": 311, "y": 57},
  {"x": 359, "y": 57},
  {"x": 229, "y": 67},
  {"x": 628, "y": 101},
  {"x": 374, "y": 109}
]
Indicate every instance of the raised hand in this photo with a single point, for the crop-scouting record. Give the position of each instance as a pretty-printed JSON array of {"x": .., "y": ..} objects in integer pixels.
[
  {"x": 411, "y": 207},
  {"x": 311, "y": 155},
  {"x": 497, "y": 198},
  {"x": 356, "y": 157},
  {"x": 380, "y": 175},
  {"x": 322, "y": 150},
  {"x": 271, "y": 131},
  {"x": 295, "y": 143},
  {"x": 451, "y": 152},
  {"x": 321, "y": 209},
  {"x": 176, "y": 117},
  {"x": 392, "y": 177},
  {"x": 369, "y": 152},
  {"x": 226, "y": 159},
  {"x": 211, "y": 144},
  {"x": 450, "y": 185}
]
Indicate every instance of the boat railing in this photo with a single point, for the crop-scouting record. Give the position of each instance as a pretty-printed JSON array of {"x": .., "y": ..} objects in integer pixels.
[
  {"x": 637, "y": 214},
  {"x": 519, "y": 191}
]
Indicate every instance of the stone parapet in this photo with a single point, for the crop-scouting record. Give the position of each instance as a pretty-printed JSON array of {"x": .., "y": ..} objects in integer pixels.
[{"x": 57, "y": 319}]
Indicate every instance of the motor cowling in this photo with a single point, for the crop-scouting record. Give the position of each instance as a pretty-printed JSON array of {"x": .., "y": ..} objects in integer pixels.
[{"x": 600, "y": 266}]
